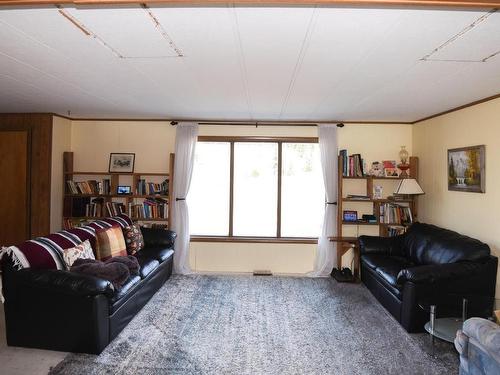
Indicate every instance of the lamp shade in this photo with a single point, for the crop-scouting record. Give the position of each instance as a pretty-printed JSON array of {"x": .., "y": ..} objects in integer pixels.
[{"x": 408, "y": 186}]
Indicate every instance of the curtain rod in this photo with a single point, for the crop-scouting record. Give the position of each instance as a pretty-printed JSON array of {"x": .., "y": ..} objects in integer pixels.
[{"x": 257, "y": 123}]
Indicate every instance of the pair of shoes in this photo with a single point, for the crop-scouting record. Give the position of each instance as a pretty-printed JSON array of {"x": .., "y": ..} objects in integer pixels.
[{"x": 342, "y": 276}]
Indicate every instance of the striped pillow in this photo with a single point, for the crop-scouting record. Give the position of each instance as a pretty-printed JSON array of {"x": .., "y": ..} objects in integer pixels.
[{"x": 110, "y": 243}]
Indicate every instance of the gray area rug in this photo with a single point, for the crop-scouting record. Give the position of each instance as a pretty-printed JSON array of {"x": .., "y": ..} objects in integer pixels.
[{"x": 263, "y": 325}]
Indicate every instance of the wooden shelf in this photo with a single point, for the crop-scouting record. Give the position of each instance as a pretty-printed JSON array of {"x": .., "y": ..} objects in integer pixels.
[
  {"x": 373, "y": 178},
  {"x": 104, "y": 217},
  {"x": 358, "y": 223},
  {"x": 72, "y": 207},
  {"x": 377, "y": 200},
  {"x": 116, "y": 196},
  {"x": 116, "y": 174}
]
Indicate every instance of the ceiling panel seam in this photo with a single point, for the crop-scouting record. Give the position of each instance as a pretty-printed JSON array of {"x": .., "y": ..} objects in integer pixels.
[
  {"x": 460, "y": 34},
  {"x": 158, "y": 26},
  {"x": 242, "y": 61},
  {"x": 300, "y": 58}
]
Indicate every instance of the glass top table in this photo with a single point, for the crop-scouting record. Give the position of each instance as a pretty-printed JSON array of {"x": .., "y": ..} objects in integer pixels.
[{"x": 445, "y": 328}]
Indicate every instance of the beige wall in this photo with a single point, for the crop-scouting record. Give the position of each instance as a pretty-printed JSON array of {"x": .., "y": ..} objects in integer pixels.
[
  {"x": 61, "y": 142},
  {"x": 92, "y": 141},
  {"x": 474, "y": 214}
]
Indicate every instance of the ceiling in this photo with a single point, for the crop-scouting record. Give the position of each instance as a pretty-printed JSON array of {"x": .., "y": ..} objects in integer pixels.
[{"x": 247, "y": 63}]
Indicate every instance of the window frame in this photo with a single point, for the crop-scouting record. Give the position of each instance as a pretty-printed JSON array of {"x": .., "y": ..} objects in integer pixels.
[{"x": 278, "y": 238}]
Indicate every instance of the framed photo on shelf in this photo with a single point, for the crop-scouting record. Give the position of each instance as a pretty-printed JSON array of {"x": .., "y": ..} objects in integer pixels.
[
  {"x": 466, "y": 169},
  {"x": 351, "y": 216},
  {"x": 391, "y": 172},
  {"x": 121, "y": 162}
]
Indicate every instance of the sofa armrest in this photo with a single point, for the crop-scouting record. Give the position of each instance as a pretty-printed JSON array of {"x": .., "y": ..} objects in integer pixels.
[
  {"x": 485, "y": 332},
  {"x": 380, "y": 245},
  {"x": 63, "y": 282},
  {"x": 438, "y": 272},
  {"x": 155, "y": 237}
]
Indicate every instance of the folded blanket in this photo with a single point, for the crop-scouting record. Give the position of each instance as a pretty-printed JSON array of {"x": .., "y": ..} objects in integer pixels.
[
  {"x": 115, "y": 272},
  {"x": 130, "y": 261}
]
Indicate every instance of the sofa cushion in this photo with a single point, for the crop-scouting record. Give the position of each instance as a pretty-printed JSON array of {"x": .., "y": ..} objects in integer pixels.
[
  {"x": 147, "y": 263},
  {"x": 428, "y": 244},
  {"x": 129, "y": 285},
  {"x": 133, "y": 238},
  {"x": 160, "y": 253},
  {"x": 81, "y": 251},
  {"x": 371, "y": 260},
  {"x": 388, "y": 269},
  {"x": 110, "y": 243}
]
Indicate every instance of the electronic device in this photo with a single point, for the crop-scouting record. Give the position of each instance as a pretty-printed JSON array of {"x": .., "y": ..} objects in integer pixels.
[
  {"x": 123, "y": 190},
  {"x": 350, "y": 216}
]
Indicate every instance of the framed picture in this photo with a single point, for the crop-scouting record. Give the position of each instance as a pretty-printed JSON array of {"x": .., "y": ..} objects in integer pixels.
[
  {"x": 466, "y": 169},
  {"x": 350, "y": 216},
  {"x": 121, "y": 162},
  {"x": 391, "y": 172}
]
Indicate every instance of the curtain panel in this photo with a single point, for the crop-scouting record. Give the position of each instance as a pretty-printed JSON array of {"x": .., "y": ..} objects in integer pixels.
[
  {"x": 186, "y": 136},
  {"x": 326, "y": 255}
]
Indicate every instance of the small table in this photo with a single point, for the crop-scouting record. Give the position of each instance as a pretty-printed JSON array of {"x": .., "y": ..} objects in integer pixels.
[{"x": 348, "y": 243}]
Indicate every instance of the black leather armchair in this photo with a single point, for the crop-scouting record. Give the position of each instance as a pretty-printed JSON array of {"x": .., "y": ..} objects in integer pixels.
[
  {"x": 428, "y": 265},
  {"x": 61, "y": 310}
]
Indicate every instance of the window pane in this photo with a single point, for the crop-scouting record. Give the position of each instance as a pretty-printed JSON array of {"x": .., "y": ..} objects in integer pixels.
[
  {"x": 209, "y": 192},
  {"x": 302, "y": 191},
  {"x": 255, "y": 189}
]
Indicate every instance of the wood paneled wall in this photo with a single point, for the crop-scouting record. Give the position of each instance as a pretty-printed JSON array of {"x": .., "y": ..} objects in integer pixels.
[{"x": 39, "y": 127}]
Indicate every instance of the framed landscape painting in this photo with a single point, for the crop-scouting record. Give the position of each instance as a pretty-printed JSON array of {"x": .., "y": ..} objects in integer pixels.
[
  {"x": 121, "y": 162},
  {"x": 466, "y": 169}
]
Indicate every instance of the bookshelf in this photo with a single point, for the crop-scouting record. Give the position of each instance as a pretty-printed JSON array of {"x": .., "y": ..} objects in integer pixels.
[
  {"x": 90, "y": 195},
  {"x": 367, "y": 184}
]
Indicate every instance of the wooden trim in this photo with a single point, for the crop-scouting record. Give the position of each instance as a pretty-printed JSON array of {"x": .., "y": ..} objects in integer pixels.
[
  {"x": 204, "y": 138},
  {"x": 254, "y": 239},
  {"x": 171, "y": 171},
  {"x": 425, "y": 3},
  {"x": 458, "y": 108}
]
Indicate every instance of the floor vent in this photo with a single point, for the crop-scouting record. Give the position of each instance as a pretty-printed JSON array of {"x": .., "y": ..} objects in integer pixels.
[{"x": 262, "y": 273}]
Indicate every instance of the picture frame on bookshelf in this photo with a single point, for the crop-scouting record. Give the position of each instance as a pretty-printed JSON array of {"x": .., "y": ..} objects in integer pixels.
[
  {"x": 391, "y": 172},
  {"x": 121, "y": 162},
  {"x": 466, "y": 169}
]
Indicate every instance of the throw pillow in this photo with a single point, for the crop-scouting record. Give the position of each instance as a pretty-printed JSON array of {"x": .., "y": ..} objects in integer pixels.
[
  {"x": 110, "y": 243},
  {"x": 82, "y": 251},
  {"x": 133, "y": 238}
]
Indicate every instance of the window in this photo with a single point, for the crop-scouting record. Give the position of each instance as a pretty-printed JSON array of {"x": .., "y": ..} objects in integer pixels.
[{"x": 270, "y": 188}]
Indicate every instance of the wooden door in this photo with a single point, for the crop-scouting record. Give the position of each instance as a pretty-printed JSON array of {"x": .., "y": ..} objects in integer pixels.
[{"x": 14, "y": 187}]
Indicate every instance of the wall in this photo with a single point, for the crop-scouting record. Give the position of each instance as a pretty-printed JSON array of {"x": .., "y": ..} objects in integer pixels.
[
  {"x": 92, "y": 141},
  {"x": 474, "y": 214},
  {"x": 61, "y": 142}
]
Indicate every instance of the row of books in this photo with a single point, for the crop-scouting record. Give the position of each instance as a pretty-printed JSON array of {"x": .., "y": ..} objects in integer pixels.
[
  {"x": 352, "y": 165},
  {"x": 156, "y": 208},
  {"x": 391, "y": 213},
  {"x": 98, "y": 208},
  {"x": 394, "y": 231},
  {"x": 89, "y": 187},
  {"x": 151, "y": 188}
]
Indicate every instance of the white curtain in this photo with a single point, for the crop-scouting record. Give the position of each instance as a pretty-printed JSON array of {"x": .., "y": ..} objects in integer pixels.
[
  {"x": 186, "y": 136},
  {"x": 326, "y": 255}
]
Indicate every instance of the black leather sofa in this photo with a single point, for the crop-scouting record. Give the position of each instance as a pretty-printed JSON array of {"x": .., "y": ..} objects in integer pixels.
[
  {"x": 428, "y": 265},
  {"x": 65, "y": 311}
]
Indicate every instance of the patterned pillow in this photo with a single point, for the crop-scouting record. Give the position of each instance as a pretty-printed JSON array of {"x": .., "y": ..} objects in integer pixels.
[
  {"x": 82, "y": 251},
  {"x": 110, "y": 243},
  {"x": 133, "y": 238}
]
